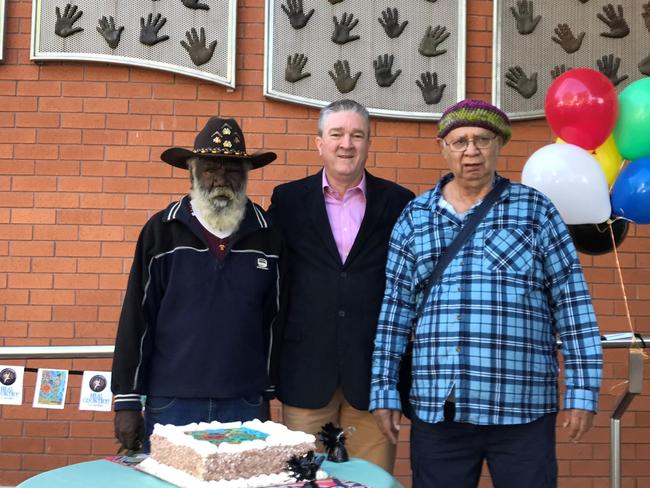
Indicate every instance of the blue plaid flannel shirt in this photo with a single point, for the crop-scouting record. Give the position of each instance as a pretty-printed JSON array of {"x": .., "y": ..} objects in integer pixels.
[{"x": 489, "y": 327}]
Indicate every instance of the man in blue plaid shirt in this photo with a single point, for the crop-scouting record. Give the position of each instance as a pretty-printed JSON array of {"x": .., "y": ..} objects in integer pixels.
[{"x": 485, "y": 365}]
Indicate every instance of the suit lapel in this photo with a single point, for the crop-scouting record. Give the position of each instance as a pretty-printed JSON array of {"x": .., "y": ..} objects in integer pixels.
[
  {"x": 375, "y": 203},
  {"x": 319, "y": 217}
]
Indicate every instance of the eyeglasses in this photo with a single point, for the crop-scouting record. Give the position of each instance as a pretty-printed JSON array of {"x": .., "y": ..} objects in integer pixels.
[{"x": 481, "y": 142}]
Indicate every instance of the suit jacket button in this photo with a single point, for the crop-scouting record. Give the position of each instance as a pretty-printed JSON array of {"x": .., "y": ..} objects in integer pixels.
[
  {"x": 344, "y": 274},
  {"x": 341, "y": 313}
]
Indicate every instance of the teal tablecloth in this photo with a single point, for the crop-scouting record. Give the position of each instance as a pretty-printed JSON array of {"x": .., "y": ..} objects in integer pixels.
[{"x": 106, "y": 474}]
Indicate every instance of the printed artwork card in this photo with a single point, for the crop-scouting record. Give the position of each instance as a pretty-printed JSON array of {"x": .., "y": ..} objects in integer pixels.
[
  {"x": 51, "y": 386},
  {"x": 95, "y": 391},
  {"x": 11, "y": 384}
]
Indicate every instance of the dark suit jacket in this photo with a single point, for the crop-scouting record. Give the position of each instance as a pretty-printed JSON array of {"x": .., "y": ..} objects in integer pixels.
[{"x": 329, "y": 308}]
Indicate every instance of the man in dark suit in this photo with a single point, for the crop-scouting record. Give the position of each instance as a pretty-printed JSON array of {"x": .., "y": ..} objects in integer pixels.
[{"x": 336, "y": 225}]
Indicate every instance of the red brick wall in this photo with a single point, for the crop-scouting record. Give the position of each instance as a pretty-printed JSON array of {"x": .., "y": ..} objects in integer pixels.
[{"x": 80, "y": 174}]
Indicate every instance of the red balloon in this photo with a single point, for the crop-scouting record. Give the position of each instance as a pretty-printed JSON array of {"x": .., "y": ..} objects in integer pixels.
[{"x": 581, "y": 107}]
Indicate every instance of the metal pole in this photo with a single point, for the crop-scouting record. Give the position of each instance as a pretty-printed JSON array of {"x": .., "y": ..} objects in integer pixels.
[
  {"x": 56, "y": 352},
  {"x": 612, "y": 341},
  {"x": 634, "y": 385}
]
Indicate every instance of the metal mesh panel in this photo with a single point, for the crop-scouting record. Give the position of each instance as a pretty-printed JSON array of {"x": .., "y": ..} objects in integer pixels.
[
  {"x": 403, "y": 98},
  {"x": 538, "y": 53},
  {"x": 168, "y": 55}
]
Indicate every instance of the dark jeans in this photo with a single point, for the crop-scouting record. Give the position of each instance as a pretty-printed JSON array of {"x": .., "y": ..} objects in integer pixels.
[
  {"x": 183, "y": 411},
  {"x": 451, "y": 454}
]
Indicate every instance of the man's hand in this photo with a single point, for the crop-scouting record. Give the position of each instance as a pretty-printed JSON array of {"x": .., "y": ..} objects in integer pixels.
[
  {"x": 566, "y": 39},
  {"x": 390, "y": 23},
  {"x": 431, "y": 91},
  {"x": 388, "y": 422},
  {"x": 129, "y": 429},
  {"x": 516, "y": 78},
  {"x": 578, "y": 422},
  {"x": 109, "y": 32},
  {"x": 196, "y": 46},
  {"x": 615, "y": 21},
  {"x": 344, "y": 82},
  {"x": 431, "y": 40},
  {"x": 64, "y": 26},
  {"x": 644, "y": 66},
  {"x": 524, "y": 16},
  {"x": 608, "y": 65},
  {"x": 384, "y": 70},
  {"x": 296, "y": 14},
  {"x": 293, "y": 72},
  {"x": 149, "y": 30},
  {"x": 195, "y": 5},
  {"x": 341, "y": 34}
]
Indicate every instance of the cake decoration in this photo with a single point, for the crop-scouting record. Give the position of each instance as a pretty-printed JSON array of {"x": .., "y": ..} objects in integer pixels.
[{"x": 333, "y": 438}]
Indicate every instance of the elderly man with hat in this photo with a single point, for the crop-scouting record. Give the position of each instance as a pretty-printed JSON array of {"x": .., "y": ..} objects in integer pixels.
[
  {"x": 484, "y": 313},
  {"x": 195, "y": 330}
]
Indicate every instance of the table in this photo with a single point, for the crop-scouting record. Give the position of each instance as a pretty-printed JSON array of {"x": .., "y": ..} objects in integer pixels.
[{"x": 106, "y": 474}]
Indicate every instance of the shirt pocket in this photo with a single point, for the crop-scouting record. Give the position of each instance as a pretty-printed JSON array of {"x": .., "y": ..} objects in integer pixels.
[{"x": 508, "y": 250}]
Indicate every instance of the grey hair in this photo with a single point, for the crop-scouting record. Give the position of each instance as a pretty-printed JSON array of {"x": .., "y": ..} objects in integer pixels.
[{"x": 345, "y": 105}]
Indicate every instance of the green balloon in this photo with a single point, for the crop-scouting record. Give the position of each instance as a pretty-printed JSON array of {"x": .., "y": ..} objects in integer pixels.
[{"x": 632, "y": 131}]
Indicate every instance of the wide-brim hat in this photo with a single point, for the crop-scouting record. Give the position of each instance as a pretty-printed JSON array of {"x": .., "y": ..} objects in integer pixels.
[{"x": 219, "y": 139}]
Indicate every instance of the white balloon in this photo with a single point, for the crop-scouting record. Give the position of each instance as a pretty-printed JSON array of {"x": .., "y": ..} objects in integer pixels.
[{"x": 573, "y": 180}]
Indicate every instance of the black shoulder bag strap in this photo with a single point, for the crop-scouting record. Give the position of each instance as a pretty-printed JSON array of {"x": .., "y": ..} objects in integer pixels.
[{"x": 405, "y": 380}]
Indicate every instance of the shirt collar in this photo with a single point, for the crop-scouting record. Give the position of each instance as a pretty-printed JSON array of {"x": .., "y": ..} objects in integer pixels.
[{"x": 328, "y": 189}]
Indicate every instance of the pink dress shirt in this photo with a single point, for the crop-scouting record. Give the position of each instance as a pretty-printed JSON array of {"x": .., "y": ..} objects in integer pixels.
[{"x": 345, "y": 213}]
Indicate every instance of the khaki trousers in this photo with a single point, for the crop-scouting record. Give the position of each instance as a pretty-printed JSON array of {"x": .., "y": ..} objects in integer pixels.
[{"x": 365, "y": 442}]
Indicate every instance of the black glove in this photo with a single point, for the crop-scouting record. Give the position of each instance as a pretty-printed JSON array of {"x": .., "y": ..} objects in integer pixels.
[{"x": 129, "y": 429}]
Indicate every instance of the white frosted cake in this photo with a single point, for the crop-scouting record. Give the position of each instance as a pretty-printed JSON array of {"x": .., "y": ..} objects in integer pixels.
[{"x": 236, "y": 454}]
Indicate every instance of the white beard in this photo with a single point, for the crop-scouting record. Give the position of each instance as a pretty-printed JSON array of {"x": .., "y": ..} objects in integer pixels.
[{"x": 222, "y": 216}]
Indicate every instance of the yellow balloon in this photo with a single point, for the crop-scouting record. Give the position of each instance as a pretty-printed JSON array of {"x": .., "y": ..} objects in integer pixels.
[{"x": 609, "y": 158}]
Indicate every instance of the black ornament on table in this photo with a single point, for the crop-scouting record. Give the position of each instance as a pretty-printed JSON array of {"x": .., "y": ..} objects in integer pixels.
[
  {"x": 333, "y": 438},
  {"x": 305, "y": 468}
]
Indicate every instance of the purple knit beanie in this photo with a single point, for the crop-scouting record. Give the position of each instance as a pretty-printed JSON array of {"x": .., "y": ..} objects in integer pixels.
[{"x": 474, "y": 113}]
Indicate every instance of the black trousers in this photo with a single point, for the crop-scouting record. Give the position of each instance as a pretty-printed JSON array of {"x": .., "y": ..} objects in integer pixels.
[{"x": 451, "y": 454}]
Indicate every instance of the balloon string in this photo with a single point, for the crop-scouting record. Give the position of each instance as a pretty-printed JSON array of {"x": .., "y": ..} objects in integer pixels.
[{"x": 635, "y": 341}]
